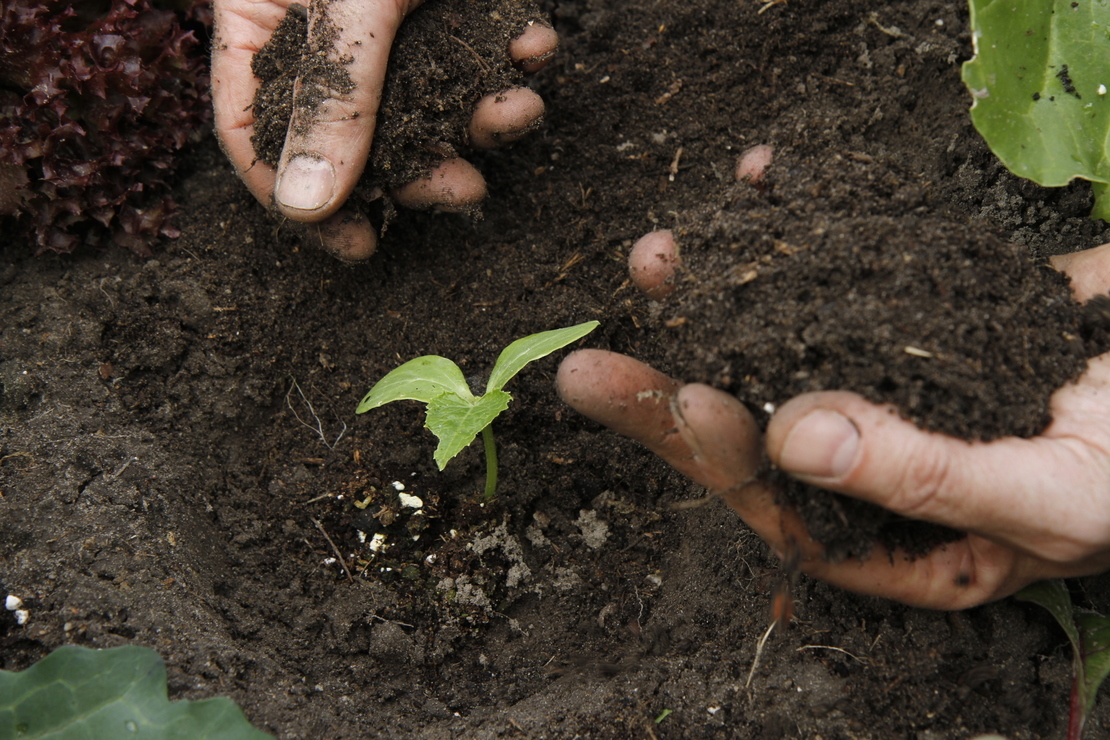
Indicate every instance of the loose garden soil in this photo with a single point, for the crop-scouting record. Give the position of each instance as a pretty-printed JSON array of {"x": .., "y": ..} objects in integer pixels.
[{"x": 180, "y": 465}]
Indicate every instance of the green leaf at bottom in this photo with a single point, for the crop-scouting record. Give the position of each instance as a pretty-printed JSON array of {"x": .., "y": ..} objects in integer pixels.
[
  {"x": 1094, "y": 633},
  {"x": 457, "y": 421},
  {"x": 76, "y": 693},
  {"x": 1089, "y": 634}
]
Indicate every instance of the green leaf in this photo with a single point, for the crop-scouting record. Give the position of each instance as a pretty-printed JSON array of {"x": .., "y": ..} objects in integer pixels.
[
  {"x": 422, "y": 379},
  {"x": 76, "y": 694},
  {"x": 1094, "y": 631},
  {"x": 1089, "y": 634},
  {"x": 457, "y": 421},
  {"x": 532, "y": 347},
  {"x": 1054, "y": 596},
  {"x": 1020, "y": 51}
]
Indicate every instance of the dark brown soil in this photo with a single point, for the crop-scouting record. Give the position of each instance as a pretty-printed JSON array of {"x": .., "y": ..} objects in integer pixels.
[{"x": 160, "y": 488}]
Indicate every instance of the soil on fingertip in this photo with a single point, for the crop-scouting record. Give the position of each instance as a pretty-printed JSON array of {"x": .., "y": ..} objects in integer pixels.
[{"x": 181, "y": 467}]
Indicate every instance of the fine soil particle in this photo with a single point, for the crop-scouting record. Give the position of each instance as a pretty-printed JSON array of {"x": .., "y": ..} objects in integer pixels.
[{"x": 165, "y": 482}]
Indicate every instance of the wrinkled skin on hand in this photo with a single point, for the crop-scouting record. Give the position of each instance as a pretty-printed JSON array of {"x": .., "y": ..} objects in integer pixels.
[
  {"x": 325, "y": 151},
  {"x": 1033, "y": 508}
]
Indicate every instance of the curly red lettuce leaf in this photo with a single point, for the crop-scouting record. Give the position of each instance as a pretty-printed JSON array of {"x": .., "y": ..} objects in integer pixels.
[{"x": 94, "y": 109}]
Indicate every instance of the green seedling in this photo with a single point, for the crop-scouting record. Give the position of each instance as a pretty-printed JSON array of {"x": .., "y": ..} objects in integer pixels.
[
  {"x": 1040, "y": 79},
  {"x": 76, "y": 693},
  {"x": 454, "y": 414},
  {"x": 1089, "y": 634}
]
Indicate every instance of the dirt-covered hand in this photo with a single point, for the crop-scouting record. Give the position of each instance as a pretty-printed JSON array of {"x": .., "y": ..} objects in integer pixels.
[
  {"x": 327, "y": 145},
  {"x": 1033, "y": 508}
]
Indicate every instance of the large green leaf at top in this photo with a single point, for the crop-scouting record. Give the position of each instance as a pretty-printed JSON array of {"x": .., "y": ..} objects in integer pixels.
[
  {"x": 1023, "y": 107},
  {"x": 457, "y": 421},
  {"x": 530, "y": 348},
  {"x": 76, "y": 693},
  {"x": 422, "y": 379}
]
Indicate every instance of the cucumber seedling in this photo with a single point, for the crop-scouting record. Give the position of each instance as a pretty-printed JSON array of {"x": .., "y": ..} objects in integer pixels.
[{"x": 454, "y": 414}]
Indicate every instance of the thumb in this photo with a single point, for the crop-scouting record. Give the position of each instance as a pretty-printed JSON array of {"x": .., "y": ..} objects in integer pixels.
[
  {"x": 1001, "y": 490},
  {"x": 335, "y": 105}
]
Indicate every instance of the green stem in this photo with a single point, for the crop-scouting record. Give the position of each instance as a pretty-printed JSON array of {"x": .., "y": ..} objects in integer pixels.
[{"x": 491, "y": 462}]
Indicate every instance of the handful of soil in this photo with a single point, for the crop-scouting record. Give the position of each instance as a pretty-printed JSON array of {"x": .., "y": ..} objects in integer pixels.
[
  {"x": 786, "y": 293},
  {"x": 447, "y": 56}
]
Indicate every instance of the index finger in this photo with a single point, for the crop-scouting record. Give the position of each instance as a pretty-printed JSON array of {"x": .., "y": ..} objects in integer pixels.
[
  {"x": 1089, "y": 271},
  {"x": 242, "y": 28}
]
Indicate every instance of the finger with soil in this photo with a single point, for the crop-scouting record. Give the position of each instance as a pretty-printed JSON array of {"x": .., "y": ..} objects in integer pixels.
[
  {"x": 1089, "y": 271},
  {"x": 449, "y": 58},
  {"x": 505, "y": 117},
  {"x": 535, "y": 47},
  {"x": 753, "y": 164},
  {"x": 239, "y": 37},
  {"x": 703, "y": 433},
  {"x": 453, "y": 186},
  {"x": 335, "y": 103},
  {"x": 347, "y": 234},
  {"x": 652, "y": 263},
  {"x": 708, "y": 436}
]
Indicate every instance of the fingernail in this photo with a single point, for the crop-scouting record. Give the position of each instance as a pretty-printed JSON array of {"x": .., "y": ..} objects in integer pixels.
[
  {"x": 822, "y": 445},
  {"x": 307, "y": 183}
]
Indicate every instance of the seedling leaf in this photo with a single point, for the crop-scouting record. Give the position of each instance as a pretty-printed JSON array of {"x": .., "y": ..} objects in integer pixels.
[
  {"x": 76, "y": 693},
  {"x": 1039, "y": 78},
  {"x": 528, "y": 349},
  {"x": 457, "y": 421},
  {"x": 422, "y": 379},
  {"x": 454, "y": 414}
]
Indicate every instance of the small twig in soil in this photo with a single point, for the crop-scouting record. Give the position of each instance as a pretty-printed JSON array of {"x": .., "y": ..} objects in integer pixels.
[
  {"x": 832, "y": 79},
  {"x": 392, "y": 621},
  {"x": 319, "y": 428},
  {"x": 27, "y": 455},
  {"x": 693, "y": 503},
  {"x": 468, "y": 47},
  {"x": 338, "y": 555},
  {"x": 769, "y": 5},
  {"x": 758, "y": 653},
  {"x": 674, "y": 164},
  {"x": 120, "y": 469},
  {"x": 892, "y": 31},
  {"x": 830, "y": 647}
]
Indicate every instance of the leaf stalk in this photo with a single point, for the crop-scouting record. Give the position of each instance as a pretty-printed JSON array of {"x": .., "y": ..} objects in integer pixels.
[{"x": 491, "y": 462}]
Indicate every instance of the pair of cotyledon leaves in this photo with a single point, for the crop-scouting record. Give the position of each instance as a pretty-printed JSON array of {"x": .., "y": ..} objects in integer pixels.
[{"x": 455, "y": 415}]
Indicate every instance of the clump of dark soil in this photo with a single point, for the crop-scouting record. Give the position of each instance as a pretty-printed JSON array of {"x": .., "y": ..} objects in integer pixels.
[
  {"x": 448, "y": 55},
  {"x": 783, "y": 294}
]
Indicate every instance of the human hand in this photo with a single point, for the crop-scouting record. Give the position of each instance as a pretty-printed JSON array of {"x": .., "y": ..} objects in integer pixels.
[
  {"x": 1033, "y": 508},
  {"x": 325, "y": 152}
]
